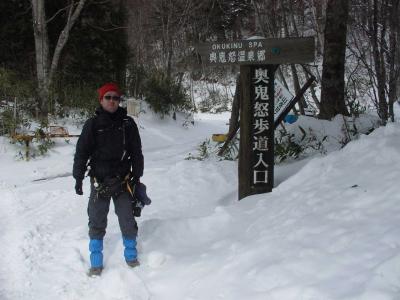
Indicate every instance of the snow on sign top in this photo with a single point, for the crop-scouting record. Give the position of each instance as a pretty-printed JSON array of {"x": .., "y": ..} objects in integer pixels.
[{"x": 258, "y": 51}]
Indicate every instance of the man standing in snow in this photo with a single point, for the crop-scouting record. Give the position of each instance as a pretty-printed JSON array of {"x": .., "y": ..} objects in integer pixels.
[{"x": 110, "y": 142}]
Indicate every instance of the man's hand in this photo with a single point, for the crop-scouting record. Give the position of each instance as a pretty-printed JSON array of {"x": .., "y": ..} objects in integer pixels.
[{"x": 78, "y": 187}]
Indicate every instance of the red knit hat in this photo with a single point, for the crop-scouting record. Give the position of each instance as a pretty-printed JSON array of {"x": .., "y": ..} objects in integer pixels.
[{"x": 107, "y": 88}]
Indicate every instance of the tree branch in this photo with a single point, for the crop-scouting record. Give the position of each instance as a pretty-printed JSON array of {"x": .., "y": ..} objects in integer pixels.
[{"x": 64, "y": 35}]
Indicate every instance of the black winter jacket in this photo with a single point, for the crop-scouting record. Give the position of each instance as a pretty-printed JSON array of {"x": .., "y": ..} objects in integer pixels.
[{"x": 112, "y": 143}]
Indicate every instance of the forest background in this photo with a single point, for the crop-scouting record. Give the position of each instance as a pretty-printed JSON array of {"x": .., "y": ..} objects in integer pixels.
[{"x": 55, "y": 54}]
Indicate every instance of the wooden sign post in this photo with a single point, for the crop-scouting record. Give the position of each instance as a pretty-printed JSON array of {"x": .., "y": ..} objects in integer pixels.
[
  {"x": 256, "y": 152},
  {"x": 257, "y": 59}
]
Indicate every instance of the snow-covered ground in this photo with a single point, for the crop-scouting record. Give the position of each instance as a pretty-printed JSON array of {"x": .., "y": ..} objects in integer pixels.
[{"x": 328, "y": 231}]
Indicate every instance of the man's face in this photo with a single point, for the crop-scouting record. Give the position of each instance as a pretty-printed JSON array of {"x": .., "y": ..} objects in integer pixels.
[{"x": 110, "y": 101}]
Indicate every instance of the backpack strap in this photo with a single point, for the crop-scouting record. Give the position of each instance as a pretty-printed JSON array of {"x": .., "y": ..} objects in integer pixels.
[{"x": 125, "y": 122}]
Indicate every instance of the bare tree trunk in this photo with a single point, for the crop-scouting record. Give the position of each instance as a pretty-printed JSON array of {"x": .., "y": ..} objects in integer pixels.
[
  {"x": 137, "y": 12},
  {"x": 332, "y": 87},
  {"x": 379, "y": 63},
  {"x": 318, "y": 8},
  {"x": 296, "y": 82},
  {"x": 318, "y": 25},
  {"x": 64, "y": 35},
  {"x": 234, "y": 120},
  {"x": 170, "y": 52},
  {"x": 392, "y": 54},
  {"x": 398, "y": 63},
  {"x": 308, "y": 75},
  {"x": 42, "y": 53},
  {"x": 45, "y": 71}
]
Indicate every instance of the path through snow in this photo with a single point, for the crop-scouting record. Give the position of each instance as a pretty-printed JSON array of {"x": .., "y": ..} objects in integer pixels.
[{"x": 328, "y": 231}]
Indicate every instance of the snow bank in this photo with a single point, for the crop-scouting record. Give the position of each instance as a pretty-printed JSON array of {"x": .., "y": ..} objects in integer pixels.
[{"x": 329, "y": 230}]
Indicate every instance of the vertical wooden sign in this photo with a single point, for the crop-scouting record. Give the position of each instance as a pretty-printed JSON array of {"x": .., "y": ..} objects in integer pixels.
[
  {"x": 256, "y": 154},
  {"x": 258, "y": 59}
]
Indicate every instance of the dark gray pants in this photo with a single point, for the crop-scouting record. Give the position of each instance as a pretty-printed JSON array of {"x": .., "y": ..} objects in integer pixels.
[{"x": 98, "y": 208}]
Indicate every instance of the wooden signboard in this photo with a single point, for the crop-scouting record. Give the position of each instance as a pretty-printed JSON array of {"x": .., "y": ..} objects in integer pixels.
[
  {"x": 257, "y": 51},
  {"x": 258, "y": 59}
]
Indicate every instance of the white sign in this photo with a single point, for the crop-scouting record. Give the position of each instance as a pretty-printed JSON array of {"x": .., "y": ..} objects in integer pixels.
[
  {"x": 133, "y": 107},
  {"x": 282, "y": 99}
]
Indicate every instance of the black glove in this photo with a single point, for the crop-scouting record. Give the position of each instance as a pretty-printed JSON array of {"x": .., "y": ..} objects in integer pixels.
[
  {"x": 78, "y": 187},
  {"x": 141, "y": 194}
]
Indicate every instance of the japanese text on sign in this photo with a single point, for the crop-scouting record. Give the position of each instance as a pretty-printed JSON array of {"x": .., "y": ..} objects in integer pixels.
[
  {"x": 252, "y": 51},
  {"x": 261, "y": 126}
]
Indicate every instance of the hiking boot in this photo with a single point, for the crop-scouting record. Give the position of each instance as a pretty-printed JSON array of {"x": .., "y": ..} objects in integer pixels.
[
  {"x": 95, "y": 271},
  {"x": 133, "y": 263}
]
